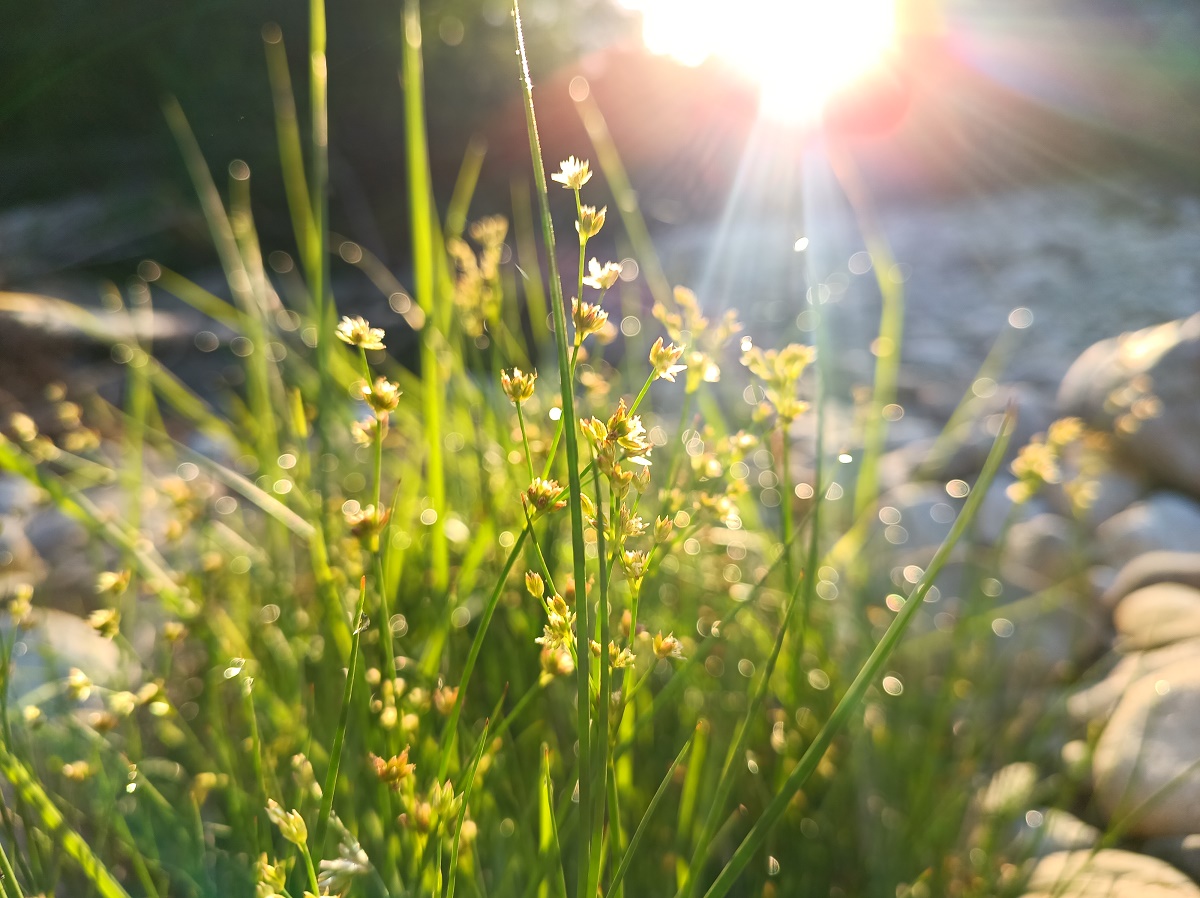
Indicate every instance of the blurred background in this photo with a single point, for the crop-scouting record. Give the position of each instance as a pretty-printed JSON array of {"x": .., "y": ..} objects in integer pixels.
[{"x": 1038, "y": 154}]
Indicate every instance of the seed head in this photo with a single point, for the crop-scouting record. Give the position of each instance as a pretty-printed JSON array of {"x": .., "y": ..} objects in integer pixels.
[
  {"x": 574, "y": 173},
  {"x": 105, "y": 621},
  {"x": 20, "y": 606},
  {"x": 272, "y": 878},
  {"x": 602, "y": 277},
  {"x": 393, "y": 771},
  {"x": 112, "y": 583},
  {"x": 357, "y": 332},
  {"x": 363, "y": 432},
  {"x": 618, "y": 657},
  {"x": 557, "y": 662},
  {"x": 544, "y": 496},
  {"x": 383, "y": 396},
  {"x": 368, "y": 521},
  {"x": 535, "y": 584},
  {"x": 667, "y": 646},
  {"x": 588, "y": 318},
  {"x": 594, "y": 429},
  {"x": 591, "y": 220},
  {"x": 79, "y": 685},
  {"x": 664, "y": 359},
  {"x": 291, "y": 824},
  {"x": 517, "y": 385}
]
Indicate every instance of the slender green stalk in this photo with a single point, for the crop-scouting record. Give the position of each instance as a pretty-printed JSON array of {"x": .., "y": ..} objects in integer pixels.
[
  {"x": 310, "y": 870},
  {"x": 736, "y": 749},
  {"x": 425, "y": 288},
  {"x": 603, "y": 702},
  {"x": 8, "y": 877},
  {"x": 785, "y": 491},
  {"x": 659, "y": 794},
  {"x": 464, "y": 187},
  {"x": 339, "y": 735},
  {"x": 866, "y": 675},
  {"x": 55, "y": 827},
  {"x": 287, "y": 132},
  {"x": 448, "y": 737},
  {"x": 583, "y": 630},
  {"x": 462, "y": 813},
  {"x": 549, "y": 847},
  {"x": 525, "y": 443}
]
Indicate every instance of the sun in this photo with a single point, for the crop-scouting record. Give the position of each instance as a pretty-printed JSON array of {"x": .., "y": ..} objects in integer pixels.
[{"x": 799, "y": 52}]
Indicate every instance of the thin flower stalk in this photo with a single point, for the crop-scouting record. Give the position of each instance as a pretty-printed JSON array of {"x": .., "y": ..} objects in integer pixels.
[
  {"x": 583, "y": 697},
  {"x": 339, "y": 735}
]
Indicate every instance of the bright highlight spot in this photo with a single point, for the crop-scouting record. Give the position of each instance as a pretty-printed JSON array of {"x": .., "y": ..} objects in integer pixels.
[{"x": 800, "y": 52}]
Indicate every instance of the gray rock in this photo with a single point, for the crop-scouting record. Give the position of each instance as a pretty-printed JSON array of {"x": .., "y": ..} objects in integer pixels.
[
  {"x": 17, "y": 495},
  {"x": 1150, "y": 568},
  {"x": 1098, "y": 701},
  {"x": 1142, "y": 386},
  {"x": 1182, "y": 852},
  {"x": 1041, "y": 551},
  {"x": 1109, "y": 873},
  {"x": 1144, "y": 766},
  {"x": 1157, "y": 615},
  {"x": 1162, "y": 522},
  {"x": 19, "y": 563},
  {"x": 57, "y": 642},
  {"x": 1044, "y": 831},
  {"x": 1178, "y": 851},
  {"x": 997, "y": 510}
]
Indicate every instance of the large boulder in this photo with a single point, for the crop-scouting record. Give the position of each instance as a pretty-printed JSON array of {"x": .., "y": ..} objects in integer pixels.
[
  {"x": 1108, "y": 873},
  {"x": 1157, "y": 615},
  {"x": 1145, "y": 764},
  {"x": 1142, "y": 387},
  {"x": 1162, "y": 522},
  {"x": 1151, "y": 568}
]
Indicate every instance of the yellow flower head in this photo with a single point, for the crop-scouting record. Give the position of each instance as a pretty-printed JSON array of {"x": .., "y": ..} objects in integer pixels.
[
  {"x": 664, "y": 359},
  {"x": 590, "y": 222},
  {"x": 602, "y": 277},
  {"x": 357, "y": 332},
  {"x": 574, "y": 173},
  {"x": 587, "y": 317},
  {"x": 518, "y": 385},
  {"x": 383, "y": 396}
]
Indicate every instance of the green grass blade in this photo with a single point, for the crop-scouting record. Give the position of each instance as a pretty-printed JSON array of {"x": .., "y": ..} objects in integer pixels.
[
  {"x": 866, "y": 675},
  {"x": 425, "y": 288},
  {"x": 655, "y": 801},
  {"x": 464, "y": 187},
  {"x": 56, "y": 828},
  {"x": 448, "y": 737},
  {"x": 287, "y": 133},
  {"x": 583, "y": 697},
  {"x": 476, "y": 757},
  {"x": 339, "y": 735}
]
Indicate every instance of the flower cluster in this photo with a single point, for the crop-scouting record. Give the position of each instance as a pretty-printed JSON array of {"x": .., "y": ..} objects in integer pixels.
[
  {"x": 478, "y": 292},
  {"x": 686, "y": 326},
  {"x": 780, "y": 370},
  {"x": 1038, "y": 462}
]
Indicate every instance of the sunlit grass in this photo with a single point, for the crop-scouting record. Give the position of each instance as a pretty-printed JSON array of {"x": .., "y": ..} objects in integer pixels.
[{"x": 481, "y": 632}]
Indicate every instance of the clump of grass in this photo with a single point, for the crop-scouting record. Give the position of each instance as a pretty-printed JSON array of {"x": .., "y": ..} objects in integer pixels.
[{"x": 515, "y": 626}]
